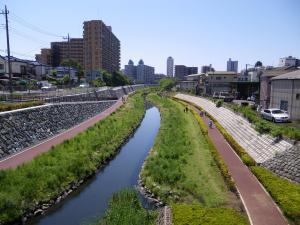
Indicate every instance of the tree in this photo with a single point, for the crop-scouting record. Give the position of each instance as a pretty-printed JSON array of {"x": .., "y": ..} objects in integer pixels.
[
  {"x": 98, "y": 82},
  {"x": 118, "y": 79},
  {"x": 76, "y": 65},
  {"x": 66, "y": 79},
  {"x": 107, "y": 77},
  {"x": 258, "y": 64},
  {"x": 167, "y": 83}
]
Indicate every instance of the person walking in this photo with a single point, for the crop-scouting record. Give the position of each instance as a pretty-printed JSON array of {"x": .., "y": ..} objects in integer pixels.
[{"x": 210, "y": 124}]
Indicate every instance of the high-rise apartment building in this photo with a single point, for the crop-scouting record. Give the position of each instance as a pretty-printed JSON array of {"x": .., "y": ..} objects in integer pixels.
[
  {"x": 130, "y": 70},
  {"x": 181, "y": 71},
  {"x": 101, "y": 47},
  {"x": 60, "y": 51},
  {"x": 44, "y": 57},
  {"x": 170, "y": 66},
  {"x": 144, "y": 73},
  {"x": 205, "y": 69},
  {"x": 232, "y": 66}
]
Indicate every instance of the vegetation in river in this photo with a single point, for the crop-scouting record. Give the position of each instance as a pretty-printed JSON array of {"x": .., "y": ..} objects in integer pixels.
[
  {"x": 125, "y": 208},
  {"x": 19, "y": 105},
  {"x": 181, "y": 167},
  {"x": 44, "y": 178}
]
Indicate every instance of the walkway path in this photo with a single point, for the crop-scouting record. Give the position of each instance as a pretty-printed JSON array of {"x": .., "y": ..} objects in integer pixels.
[
  {"x": 260, "y": 207},
  {"x": 259, "y": 147},
  {"x": 28, "y": 154}
]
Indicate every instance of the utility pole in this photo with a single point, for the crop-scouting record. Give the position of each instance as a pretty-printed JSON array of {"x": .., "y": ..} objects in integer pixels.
[
  {"x": 69, "y": 66},
  {"x": 5, "y": 12}
]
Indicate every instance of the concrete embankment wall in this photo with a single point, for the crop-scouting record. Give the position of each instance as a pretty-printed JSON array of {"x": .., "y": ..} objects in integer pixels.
[
  {"x": 22, "y": 128},
  {"x": 97, "y": 95}
]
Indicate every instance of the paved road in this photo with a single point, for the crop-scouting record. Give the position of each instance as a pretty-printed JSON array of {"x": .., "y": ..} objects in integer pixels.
[
  {"x": 28, "y": 154},
  {"x": 260, "y": 207}
]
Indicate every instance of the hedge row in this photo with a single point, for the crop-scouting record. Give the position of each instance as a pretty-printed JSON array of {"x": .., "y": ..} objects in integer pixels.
[{"x": 285, "y": 193}]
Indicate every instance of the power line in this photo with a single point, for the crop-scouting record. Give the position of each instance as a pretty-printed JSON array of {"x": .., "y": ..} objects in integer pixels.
[
  {"x": 35, "y": 28},
  {"x": 16, "y": 53},
  {"x": 26, "y": 36}
]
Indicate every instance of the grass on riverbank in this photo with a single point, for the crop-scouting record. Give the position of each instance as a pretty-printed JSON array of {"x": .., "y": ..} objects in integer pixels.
[
  {"x": 20, "y": 105},
  {"x": 180, "y": 166},
  {"x": 45, "y": 177},
  {"x": 125, "y": 208},
  {"x": 195, "y": 215}
]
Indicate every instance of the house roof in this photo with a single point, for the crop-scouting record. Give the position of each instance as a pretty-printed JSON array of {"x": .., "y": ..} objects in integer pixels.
[
  {"x": 278, "y": 71},
  {"x": 295, "y": 75},
  {"x": 222, "y": 73}
]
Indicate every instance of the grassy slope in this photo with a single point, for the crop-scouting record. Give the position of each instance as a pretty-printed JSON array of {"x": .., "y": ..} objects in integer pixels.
[
  {"x": 195, "y": 215},
  {"x": 181, "y": 161},
  {"x": 51, "y": 173},
  {"x": 125, "y": 208}
]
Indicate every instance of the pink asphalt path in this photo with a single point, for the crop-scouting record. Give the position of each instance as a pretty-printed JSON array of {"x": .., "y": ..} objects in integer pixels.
[
  {"x": 29, "y": 153},
  {"x": 260, "y": 207}
]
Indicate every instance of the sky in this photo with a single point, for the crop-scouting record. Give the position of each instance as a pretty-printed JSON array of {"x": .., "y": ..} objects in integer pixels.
[{"x": 193, "y": 32}]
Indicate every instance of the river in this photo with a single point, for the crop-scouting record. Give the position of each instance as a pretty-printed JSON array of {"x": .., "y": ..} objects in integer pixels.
[{"x": 91, "y": 200}]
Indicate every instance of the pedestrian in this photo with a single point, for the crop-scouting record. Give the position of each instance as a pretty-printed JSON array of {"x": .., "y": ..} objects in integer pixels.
[
  {"x": 210, "y": 124},
  {"x": 186, "y": 109},
  {"x": 201, "y": 113}
]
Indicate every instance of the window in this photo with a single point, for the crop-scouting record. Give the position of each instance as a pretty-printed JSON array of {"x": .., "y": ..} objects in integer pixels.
[
  {"x": 297, "y": 95},
  {"x": 284, "y": 105},
  {"x": 1, "y": 66},
  {"x": 218, "y": 78}
]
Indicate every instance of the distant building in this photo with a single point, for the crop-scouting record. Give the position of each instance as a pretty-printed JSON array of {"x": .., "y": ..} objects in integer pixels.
[
  {"x": 232, "y": 66},
  {"x": 101, "y": 47},
  {"x": 130, "y": 70},
  {"x": 45, "y": 56},
  {"x": 144, "y": 73},
  {"x": 205, "y": 69},
  {"x": 285, "y": 93},
  {"x": 60, "y": 51},
  {"x": 170, "y": 66},
  {"x": 159, "y": 76},
  {"x": 289, "y": 61},
  {"x": 181, "y": 71}
]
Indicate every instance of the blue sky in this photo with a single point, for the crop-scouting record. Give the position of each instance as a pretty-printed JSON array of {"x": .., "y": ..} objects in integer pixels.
[{"x": 193, "y": 32}]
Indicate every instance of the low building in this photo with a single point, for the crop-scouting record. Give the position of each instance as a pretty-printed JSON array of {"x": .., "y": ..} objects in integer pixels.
[
  {"x": 285, "y": 93},
  {"x": 220, "y": 81},
  {"x": 289, "y": 61},
  {"x": 265, "y": 77},
  {"x": 181, "y": 71}
]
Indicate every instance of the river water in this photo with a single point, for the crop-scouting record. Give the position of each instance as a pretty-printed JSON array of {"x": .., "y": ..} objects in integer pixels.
[{"x": 91, "y": 200}]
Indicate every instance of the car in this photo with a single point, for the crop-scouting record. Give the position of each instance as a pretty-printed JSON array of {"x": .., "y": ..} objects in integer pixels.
[
  {"x": 216, "y": 95},
  {"x": 275, "y": 115},
  {"x": 227, "y": 97},
  {"x": 84, "y": 85},
  {"x": 48, "y": 87}
]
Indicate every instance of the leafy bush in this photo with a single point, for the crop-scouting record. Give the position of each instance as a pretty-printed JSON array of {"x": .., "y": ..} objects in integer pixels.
[
  {"x": 125, "y": 208},
  {"x": 285, "y": 193},
  {"x": 20, "y": 105},
  {"x": 219, "y": 103},
  {"x": 195, "y": 215},
  {"x": 54, "y": 171}
]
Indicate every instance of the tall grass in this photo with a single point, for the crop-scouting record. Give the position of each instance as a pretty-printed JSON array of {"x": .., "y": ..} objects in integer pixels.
[
  {"x": 46, "y": 176},
  {"x": 19, "y": 105},
  {"x": 125, "y": 209},
  {"x": 180, "y": 167}
]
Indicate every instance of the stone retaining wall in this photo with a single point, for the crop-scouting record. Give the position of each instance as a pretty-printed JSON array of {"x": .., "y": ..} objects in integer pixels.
[
  {"x": 286, "y": 164},
  {"x": 97, "y": 95},
  {"x": 22, "y": 128}
]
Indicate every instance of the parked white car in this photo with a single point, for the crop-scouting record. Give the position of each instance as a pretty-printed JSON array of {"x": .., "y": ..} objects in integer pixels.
[{"x": 275, "y": 115}]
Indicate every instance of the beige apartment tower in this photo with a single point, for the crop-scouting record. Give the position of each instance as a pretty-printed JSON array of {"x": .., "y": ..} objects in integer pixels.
[{"x": 101, "y": 47}]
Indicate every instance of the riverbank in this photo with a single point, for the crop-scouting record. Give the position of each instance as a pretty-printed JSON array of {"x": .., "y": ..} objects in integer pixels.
[{"x": 34, "y": 187}]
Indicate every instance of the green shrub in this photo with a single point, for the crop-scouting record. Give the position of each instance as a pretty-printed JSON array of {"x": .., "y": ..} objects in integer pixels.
[
  {"x": 219, "y": 103},
  {"x": 51, "y": 173},
  {"x": 285, "y": 193},
  {"x": 195, "y": 215},
  {"x": 125, "y": 208}
]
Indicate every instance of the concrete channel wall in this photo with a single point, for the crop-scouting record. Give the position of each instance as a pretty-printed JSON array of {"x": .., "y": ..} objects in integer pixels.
[{"x": 24, "y": 127}]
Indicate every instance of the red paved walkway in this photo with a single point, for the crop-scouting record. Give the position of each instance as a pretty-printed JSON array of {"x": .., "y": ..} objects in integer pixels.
[
  {"x": 260, "y": 207},
  {"x": 31, "y": 152}
]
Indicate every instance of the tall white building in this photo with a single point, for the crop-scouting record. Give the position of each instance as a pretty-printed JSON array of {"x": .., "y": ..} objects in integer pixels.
[
  {"x": 170, "y": 66},
  {"x": 232, "y": 66}
]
